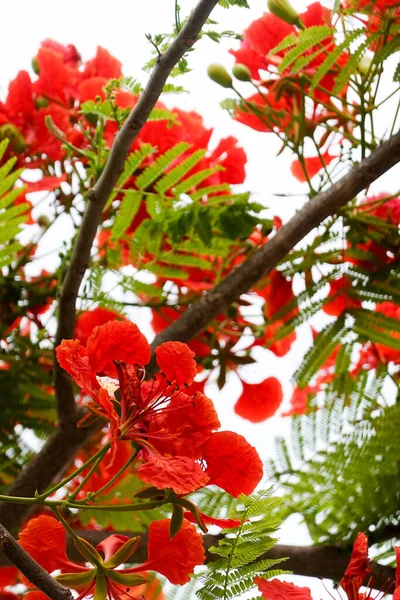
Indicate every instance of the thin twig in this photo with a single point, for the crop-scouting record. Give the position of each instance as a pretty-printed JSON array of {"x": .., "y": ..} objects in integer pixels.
[{"x": 99, "y": 194}]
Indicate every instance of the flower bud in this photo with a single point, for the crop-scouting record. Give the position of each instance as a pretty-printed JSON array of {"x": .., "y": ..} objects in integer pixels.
[
  {"x": 241, "y": 72},
  {"x": 220, "y": 75},
  {"x": 35, "y": 65},
  {"x": 285, "y": 11}
]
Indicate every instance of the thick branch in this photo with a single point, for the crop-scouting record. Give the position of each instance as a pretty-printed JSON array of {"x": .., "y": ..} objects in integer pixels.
[
  {"x": 241, "y": 279},
  {"x": 328, "y": 562},
  {"x": 31, "y": 569},
  {"x": 62, "y": 447},
  {"x": 47, "y": 465},
  {"x": 101, "y": 191}
]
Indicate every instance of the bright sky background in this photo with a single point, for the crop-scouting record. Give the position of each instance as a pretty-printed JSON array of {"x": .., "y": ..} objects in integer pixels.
[{"x": 120, "y": 27}]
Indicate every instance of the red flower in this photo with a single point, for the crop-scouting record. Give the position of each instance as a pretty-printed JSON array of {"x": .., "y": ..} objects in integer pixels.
[
  {"x": 90, "y": 319},
  {"x": 273, "y": 589},
  {"x": 265, "y": 112},
  {"x": 179, "y": 473},
  {"x": 313, "y": 165},
  {"x": 341, "y": 299},
  {"x": 103, "y": 65},
  {"x": 51, "y": 552},
  {"x": 396, "y": 593},
  {"x": 357, "y": 569},
  {"x": 174, "y": 558},
  {"x": 57, "y": 80},
  {"x": 176, "y": 359},
  {"x": 386, "y": 353},
  {"x": 232, "y": 463},
  {"x": 259, "y": 401},
  {"x": 173, "y": 429}
]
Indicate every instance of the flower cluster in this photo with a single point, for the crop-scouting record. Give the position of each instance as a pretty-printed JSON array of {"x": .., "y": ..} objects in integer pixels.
[{"x": 175, "y": 431}]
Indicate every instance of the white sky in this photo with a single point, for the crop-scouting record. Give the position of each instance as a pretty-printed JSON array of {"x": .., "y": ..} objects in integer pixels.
[{"x": 119, "y": 26}]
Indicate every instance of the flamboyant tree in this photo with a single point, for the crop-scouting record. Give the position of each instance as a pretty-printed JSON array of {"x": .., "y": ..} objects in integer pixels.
[{"x": 135, "y": 467}]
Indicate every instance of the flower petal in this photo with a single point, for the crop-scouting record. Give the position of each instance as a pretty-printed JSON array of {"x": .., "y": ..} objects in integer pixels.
[
  {"x": 185, "y": 426},
  {"x": 273, "y": 589},
  {"x": 259, "y": 401},
  {"x": 174, "y": 558},
  {"x": 232, "y": 463},
  {"x": 50, "y": 553},
  {"x": 175, "y": 360},
  {"x": 179, "y": 473},
  {"x": 357, "y": 569},
  {"x": 116, "y": 340}
]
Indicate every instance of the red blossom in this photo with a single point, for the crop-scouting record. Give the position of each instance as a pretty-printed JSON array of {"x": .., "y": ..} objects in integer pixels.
[
  {"x": 174, "y": 558},
  {"x": 176, "y": 362},
  {"x": 88, "y": 320},
  {"x": 259, "y": 401},
  {"x": 274, "y": 589},
  {"x": 357, "y": 569},
  {"x": 313, "y": 165},
  {"x": 51, "y": 552},
  {"x": 179, "y": 473},
  {"x": 232, "y": 463},
  {"x": 341, "y": 299},
  {"x": 103, "y": 65}
]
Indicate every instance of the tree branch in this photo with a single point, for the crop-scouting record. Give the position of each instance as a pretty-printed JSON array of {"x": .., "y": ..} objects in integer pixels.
[
  {"x": 327, "y": 562},
  {"x": 243, "y": 277},
  {"x": 98, "y": 196},
  {"x": 31, "y": 569},
  {"x": 47, "y": 465},
  {"x": 61, "y": 447}
]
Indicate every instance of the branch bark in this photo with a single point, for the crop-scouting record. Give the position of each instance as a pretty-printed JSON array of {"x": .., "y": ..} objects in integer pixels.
[
  {"x": 241, "y": 279},
  {"x": 31, "y": 569},
  {"x": 327, "y": 562},
  {"x": 98, "y": 196},
  {"x": 61, "y": 447}
]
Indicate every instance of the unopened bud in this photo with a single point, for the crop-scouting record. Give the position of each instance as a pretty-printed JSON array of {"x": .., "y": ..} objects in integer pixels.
[
  {"x": 17, "y": 141},
  {"x": 35, "y": 65},
  {"x": 285, "y": 11},
  {"x": 220, "y": 75},
  {"x": 241, "y": 72}
]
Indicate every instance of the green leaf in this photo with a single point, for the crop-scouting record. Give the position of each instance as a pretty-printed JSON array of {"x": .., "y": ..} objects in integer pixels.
[
  {"x": 128, "y": 209},
  {"x": 154, "y": 171},
  {"x": 308, "y": 38},
  {"x": 178, "y": 172}
]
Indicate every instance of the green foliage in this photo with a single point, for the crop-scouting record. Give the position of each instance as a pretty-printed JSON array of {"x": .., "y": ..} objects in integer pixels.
[
  {"x": 25, "y": 401},
  {"x": 324, "y": 345},
  {"x": 135, "y": 521},
  {"x": 229, "y": 3},
  {"x": 340, "y": 468},
  {"x": 241, "y": 551},
  {"x": 12, "y": 216},
  {"x": 307, "y": 39}
]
